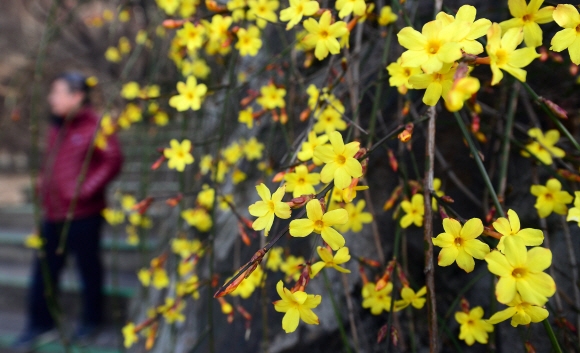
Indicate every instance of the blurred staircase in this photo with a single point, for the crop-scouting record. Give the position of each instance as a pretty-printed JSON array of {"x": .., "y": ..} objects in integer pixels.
[{"x": 121, "y": 261}]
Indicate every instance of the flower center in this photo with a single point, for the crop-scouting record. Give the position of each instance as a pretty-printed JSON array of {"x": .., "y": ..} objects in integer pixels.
[
  {"x": 323, "y": 34},
  {"x": 578, "y": 29},
  {"x": 433, "y": 46},
  {"x": 519, "y": 272},
  {"x": 318, "y": 225},
  {"x": 340, "y": 159},
  {"x": 549, "y": 197},
  {"x": 458, "y": 242},
  {"x": 271, "y": 206},
  {"x": 299, "y": 9},
  {"x": 300, "y": 181},
  {"x": 528, "y": 18},
  {"x": 502, "y": 57}
]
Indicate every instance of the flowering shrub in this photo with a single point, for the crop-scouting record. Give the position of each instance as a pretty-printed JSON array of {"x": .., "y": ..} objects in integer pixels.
[{"x": 307, "y": 80}]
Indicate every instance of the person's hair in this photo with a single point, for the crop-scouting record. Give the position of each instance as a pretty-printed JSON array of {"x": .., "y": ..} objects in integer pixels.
[{"x": 76, "y": 82}]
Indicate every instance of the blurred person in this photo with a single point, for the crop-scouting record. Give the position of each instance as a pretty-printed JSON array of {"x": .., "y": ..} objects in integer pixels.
[{"x": 70, "y": 137}]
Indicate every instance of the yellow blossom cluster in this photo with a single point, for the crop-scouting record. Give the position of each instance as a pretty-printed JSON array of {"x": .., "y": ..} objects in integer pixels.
[{"x": 440, "y": 57}]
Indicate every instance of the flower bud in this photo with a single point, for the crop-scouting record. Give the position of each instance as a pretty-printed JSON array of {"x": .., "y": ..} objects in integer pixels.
[{"x": 300, "y": 201}]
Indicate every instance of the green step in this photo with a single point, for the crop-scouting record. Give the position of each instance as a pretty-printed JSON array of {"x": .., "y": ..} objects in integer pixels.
[
  {"x": 55, "y": 347},
  {"x": 12, "y": 237},
  {"x": 108, "y": 290}
]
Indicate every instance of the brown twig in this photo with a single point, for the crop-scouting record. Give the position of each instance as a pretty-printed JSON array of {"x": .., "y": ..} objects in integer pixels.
[
  {"x": 573, "y": 269},
  {"x": 428, "y": 226}
]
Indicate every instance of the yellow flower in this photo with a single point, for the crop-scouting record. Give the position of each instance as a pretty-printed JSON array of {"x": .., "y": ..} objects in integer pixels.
[
  {"x": 356, "y": 217},
  {"x": 191, "y": 36},
  {"x": 205, "y": 164},
  {"x": 460, "y": 243},
  {"x": 301, "y": 182},
  {"x": 504, "y": 55},
  {"x": 137, "y": 219},
  {"x": 437, "y": 84},
  {"x": 169, "y": 6},
  {"x": 196, "y": 67},
  {"x": 307, "y": 151},
  {"x": 186, "y": 248},
  {"x": 320, "y": 223},
  {"x": 298, "y": 9},
  {"x": 269, "y": 206},
  {"x": 387, "y": 16},
  {"x": 253, "y": 149},
  {"x": 206, "y": 197},
  {"x": 263, "y": 11},
  {"x": 567, "y": 16},
  {"x": 198, "y": 218},
  {"x": 161, "y": 118},
  {"x": 132, "y": 236},
  {"x": 141, "y": 37},
  {"x": 124, "y": 16},
  {"x": 33, "y": 241},
  {"x": 328, "y": 260},
  {"x": 323, "y": 36},
  {"x": 172, "y": 311},
  {"x": 292, "y": 267},
  {"x": 438, "y": 192},
  {"x": 377, "y": 301},
  {"x": 129, "y": 335},
  {"x": 551, "y": 198},
  {"x": 130, "y": 90},
  {"x": 409, "y": 297},
  {"x": 472, "y": 327},
  {"x": 246, "y": 117},
  {"x": 399, "y": 75},
  {"x": 544, "y": 146},
  {"x": 574, "y": 212},
  {"x": 190, "y": 95},
  {"x": 346, "y": 7},
  {"x": 271, "y": 97},
  {"x": 124, "y": 45},
  {"x": 127, "y": 202},
  {"x": 188, "y": 8},
  {"x": 521, "y": 271},
  {"x": 329, "y": 119},
  {"x": 112, "y": 54},
  {"x": 178, "y": 155},
  {"x": 415, "y": 209},
  {"x": 340, "y": 164},
  {"x": 528, "y": 18},
  {"x": 461, "y": 91},
  {"x": 520, "y": 312},
  {"x": 274, "y": 259},
  {"x": 437, "y": 44},
  {"x": 237, "y": 8},
  {"x": 249, "y": 41},
  {"x": 248, "y": 285},
  {"x": 233, "y": 153},
  {"x": 348, "y": 194},
  {"x": 510, "y": 227},
  {"x": 151, "y": 91},
  {"x": 160, "y": 279},
  {"x": 466, "y": 13},
  {"x": 238, "y": 176},
  {"x": 113, "y": 217},
  {"x": 297, "y": 306}
]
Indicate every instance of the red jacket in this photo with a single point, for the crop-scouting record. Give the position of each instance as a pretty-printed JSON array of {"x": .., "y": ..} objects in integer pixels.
[{"x": 65, "y": 153}]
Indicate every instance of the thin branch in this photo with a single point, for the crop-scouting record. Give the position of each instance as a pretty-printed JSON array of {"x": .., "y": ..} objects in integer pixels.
[{"x": 428, "y": 226}]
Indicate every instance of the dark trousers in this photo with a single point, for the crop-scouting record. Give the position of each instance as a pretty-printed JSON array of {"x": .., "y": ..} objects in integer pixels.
[{"x": 83, "y": 241}]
